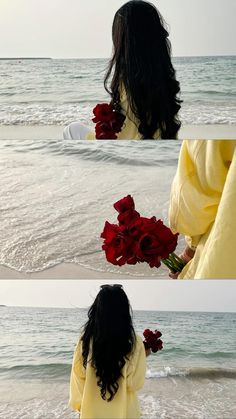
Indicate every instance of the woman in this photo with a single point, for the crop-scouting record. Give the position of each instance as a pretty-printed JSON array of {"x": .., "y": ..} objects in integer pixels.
[
  {"x": 143, "y": 86},
  {"x": 109, "y": 360},
  {"x": 202, "y": 207}
]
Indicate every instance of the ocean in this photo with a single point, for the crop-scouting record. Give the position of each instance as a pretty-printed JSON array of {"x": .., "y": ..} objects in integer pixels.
[
  {"x": 56, "y": 196},
  {"x": 59, "y": 91},
  {"x": 194, "y": 376}
]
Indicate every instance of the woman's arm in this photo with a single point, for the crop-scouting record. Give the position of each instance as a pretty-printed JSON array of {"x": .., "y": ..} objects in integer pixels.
[
  {"x": 137, "y": 367},
  {"x": 77, "y": 380},
  {"x": 148, "y": 352},
  {"x": 198, "y": 185}
]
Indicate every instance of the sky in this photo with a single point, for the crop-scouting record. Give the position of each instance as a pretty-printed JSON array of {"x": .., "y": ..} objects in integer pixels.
[
  {"x": 82, "y": 28},
  {"x": 159, "y": 295}
]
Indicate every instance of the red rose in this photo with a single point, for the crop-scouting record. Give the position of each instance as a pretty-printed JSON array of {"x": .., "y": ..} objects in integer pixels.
[
  {"x": 158, "y": 334},
  {"x": 167, "y": 238},
  {"x": 125, "y": 208},
  {"x": 155, "y": 240},
  {"x": 157, "y": 346},
  {"x": 152, "y": 340},
  {"x": 142, "y": 239},
  {"x": 124, "y": 204},
  {"x": 136, "y": 228},
  {"x": 103, "y": 112},
  {"x": 141, "y": 226},
  {"x": 127, "y": 217},
  {"x": 108, "y": 122},
  {"x": 118, "y": 246},
  {"x": 147, "y": 333},
  {"x": 103, "y": 131},
  {"x": 149, "y": 250}
]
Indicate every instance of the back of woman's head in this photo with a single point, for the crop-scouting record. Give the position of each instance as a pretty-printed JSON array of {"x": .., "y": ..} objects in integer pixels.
[
  {"x": 141, "y": 63},
  {"x": 110, "y": 334}
]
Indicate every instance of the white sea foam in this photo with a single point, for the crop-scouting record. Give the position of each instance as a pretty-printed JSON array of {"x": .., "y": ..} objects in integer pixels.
[{"x": 166, "y": 372}]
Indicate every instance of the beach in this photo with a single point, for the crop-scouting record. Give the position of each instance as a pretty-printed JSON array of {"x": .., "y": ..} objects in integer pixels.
[
  {"x": 63, "y": 271},
  {"x": 55, "y": 132},
  {"x": 190, "y": 378},
  {"x": 167, "y": 397},
  {"x": 56, "y": 196}
]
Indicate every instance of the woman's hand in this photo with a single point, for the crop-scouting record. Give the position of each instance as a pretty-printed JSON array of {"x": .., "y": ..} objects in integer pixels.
[
  {"x": 173, "y": 275},
  {"x": 186, "y": 256},
  {"x": 148, "y": 351}
]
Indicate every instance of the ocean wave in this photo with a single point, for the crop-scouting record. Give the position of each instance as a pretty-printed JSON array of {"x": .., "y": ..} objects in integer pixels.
[
  {"x": 62, "y": 371},
  {"x": 127, "y": 153},
  {"x": 193, "y": 373},
  {"x": 110, "y": 155},
  {"x": 219, "y": 354},
  {"x": 45, "y": 111},
  {"x": 53, "y": 371},
  {"x": 216, "y": 93},
  {"x": 212, "y": 354}
]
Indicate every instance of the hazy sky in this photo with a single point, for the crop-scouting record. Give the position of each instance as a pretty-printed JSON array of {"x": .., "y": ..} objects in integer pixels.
[
  {"x": 143, "y": 294},
  {"x": 82, "y": 28}
]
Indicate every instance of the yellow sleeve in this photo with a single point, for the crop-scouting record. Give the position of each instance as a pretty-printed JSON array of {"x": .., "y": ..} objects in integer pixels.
[
  {"x": 218, "y": 259},
  {"x": 77, "y": 379},
  {"x": 137, "y": 367},
  {"x": 198, "y": 185},
  {"x": 91, "y": 135}
]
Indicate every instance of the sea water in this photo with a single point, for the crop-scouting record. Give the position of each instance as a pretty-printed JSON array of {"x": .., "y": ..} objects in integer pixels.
[
  {"x": 56, "y": 196},
  {"x": 194, "y": 376},
  {"x": 59, "y": 91}
]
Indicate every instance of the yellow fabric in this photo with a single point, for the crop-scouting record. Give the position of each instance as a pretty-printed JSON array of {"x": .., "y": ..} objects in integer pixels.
[
  {"x": 85, "y": 394},
  {"x": 203, "y": 207},
  {"x": 130, "y": 127}
]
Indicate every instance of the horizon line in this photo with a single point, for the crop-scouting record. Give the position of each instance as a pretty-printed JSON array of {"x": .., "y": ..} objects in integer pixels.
[
  {"x": 85, "y": 308},
  {"x": 105, "y": 58}
]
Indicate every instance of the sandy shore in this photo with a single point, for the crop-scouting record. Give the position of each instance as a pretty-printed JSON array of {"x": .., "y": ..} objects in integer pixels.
[
  {"x": 63, "y": 271},
  {"x": 169, "y": 398},
  {"x": 52, "y": 132}
]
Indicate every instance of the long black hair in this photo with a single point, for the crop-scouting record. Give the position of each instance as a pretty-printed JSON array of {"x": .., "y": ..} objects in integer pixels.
[
  {"x": 141, "y": 64},
  {"x": 109, "y": 331}
]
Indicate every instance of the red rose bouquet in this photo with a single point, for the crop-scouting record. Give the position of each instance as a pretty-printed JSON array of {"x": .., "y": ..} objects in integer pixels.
[
  {"x": 137, "y": 239},
  {"x": 108, "y": 121},
  {"x": 152, "y": 340}
]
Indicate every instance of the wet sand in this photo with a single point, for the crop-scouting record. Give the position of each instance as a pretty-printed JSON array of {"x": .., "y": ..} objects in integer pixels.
[
  {"x": 63, "y": 271},
  {"x": 56, "y": 132}
]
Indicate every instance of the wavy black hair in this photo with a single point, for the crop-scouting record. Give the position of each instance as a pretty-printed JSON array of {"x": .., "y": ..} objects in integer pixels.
[
  {"x": 141, "y": 63},
  {"x": 110, "y": 333}
]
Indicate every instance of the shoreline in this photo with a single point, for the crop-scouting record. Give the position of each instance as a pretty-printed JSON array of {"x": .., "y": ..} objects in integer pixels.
[
  {"x": 155, "y": 398},
  {"x": 65, "y": 271},
  {"x": 55, "y": 132}
]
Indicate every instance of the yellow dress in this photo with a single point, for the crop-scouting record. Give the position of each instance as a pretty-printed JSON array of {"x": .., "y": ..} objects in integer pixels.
[
  {"x": 85, "y": 394},
  {"x": 203, "y": 207}
]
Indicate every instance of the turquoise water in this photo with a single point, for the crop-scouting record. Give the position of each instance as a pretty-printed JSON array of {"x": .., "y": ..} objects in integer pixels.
[
  {"x": 198, "y": 361},
  {"x": 56, "y": 92},
  {"x": 56, "y": 196}
]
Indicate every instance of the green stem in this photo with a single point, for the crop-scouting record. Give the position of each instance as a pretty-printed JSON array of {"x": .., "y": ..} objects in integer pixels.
[
  {"x": 174, "y": 263},
  {"x": 167, "y": 262}
]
